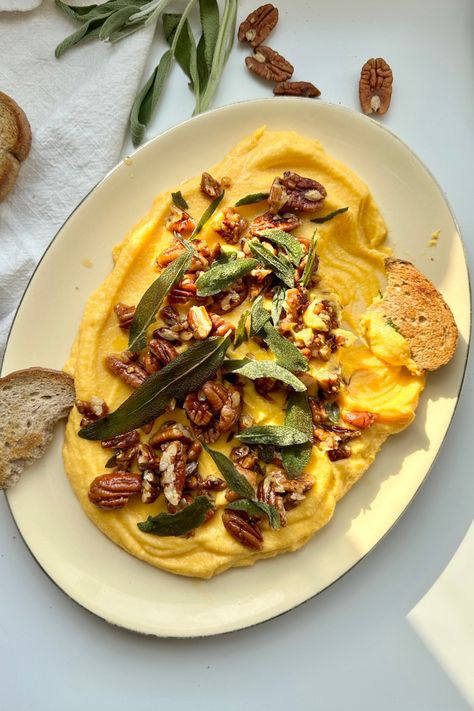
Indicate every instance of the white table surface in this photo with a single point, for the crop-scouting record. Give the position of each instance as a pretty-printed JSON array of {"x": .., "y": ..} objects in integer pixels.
[{"x": 396, "y": 632}]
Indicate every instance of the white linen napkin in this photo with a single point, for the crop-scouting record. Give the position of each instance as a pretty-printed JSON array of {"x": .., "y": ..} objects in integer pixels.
[{"x": 78, "y": 108}]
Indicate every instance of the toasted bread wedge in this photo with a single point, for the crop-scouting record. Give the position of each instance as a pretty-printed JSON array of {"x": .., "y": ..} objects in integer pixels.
[
  {"x": 420, "y": 314},
  {"x": 15, "y": 142},
  {"x": 32, "y": 401}
]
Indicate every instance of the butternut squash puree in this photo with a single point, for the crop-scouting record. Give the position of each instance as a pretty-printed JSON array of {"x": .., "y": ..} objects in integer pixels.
[{"x": 351, "y": 251}]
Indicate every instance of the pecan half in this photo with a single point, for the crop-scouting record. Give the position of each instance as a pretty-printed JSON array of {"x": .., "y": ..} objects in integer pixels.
[
  {"x": 200, "y": 322},
  {"x": 184, "y": 291},
  {"x": 375, "y": 86},
  {"x": 173, "y": 471},
  {"x": 361, "y": 420},
  {"x": 121, "y": 365},
  {"x": 270, "y": 221},
  {"x": 124, "y": 315},
  {"x": 213, "y": 410},
  {"x": 269, "y": 65},
  {"x": 295, "y": 192},
  {"x": 179, "y": 221},
  {"x": 221, "y": 327},
  {"x": 210, "y": 186},
  {"x": 258, "y": 25},
  {"x": 242, "y": 530},
  {"x": 231, "y": 226},
  {"x": 296, "y": 88},
  {"x": 163, "y": 351},
  {"x": 169, "y": 432},
  {"x": 169, "y": 254},
  {"x": 113, "y": 490},
  {"x": 92, "y": 410},
  {"x": 150, "y": 486},
  {"x": 198, "y": 409},
  {"x": 230, "y": 298},
  {"x": 121, "y": 441}
]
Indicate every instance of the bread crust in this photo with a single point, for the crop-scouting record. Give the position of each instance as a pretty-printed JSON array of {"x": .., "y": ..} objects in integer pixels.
[
  {"x": 15, "y": 142},
  {"x": 420, "y": 313}
]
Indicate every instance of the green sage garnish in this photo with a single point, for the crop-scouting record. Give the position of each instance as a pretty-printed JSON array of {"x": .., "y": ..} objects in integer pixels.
[
  {"x": 311, "y": 262},
  {"x": 298, "y": 415},
  {"x": 256, "y": 508},
  {"x": 152, "y": 299},
  {"x": 183, "y": 375},
  {"x": 179, "y": 200},
  {"x": 286, "y": 353},
  {"x": 280, "y": 266},
  {"x": 280, "y": 436},
  {"x": 241, "y": 332},
  {"x": 234, "y": 479},
  {"x": 251, "y": 199},
  {"x": 289, "y": 243},
  {"x": 207, "y": 214},
  {"x": 279, "y": 295},
  {"x": 326, "y": 218},
  {"x": 258, "y": 316},
  {"x": 218, "y": 278},
  {"x": 254, "y": 369},
  {"x": 332, "y": 411},
  {"x": 189, "y": 518},
  {"x": 393, "y": 325}
]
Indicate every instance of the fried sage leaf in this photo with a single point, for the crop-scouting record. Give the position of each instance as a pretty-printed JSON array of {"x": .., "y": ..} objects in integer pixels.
[
  {"x": 284, "y": 350},
  {"x": 258, "y": 316},
  {"x": 183, "y": 375},
  {"x": 234, "y": 479},
  {"x": 152, "y": 299},
  {"x": 221, "y": 276},
  {"x": 289, "y": 243},
  {"x": 254, "y": 369},
  {"x": 280, "y": 436},
  {"x": 280, "y": 267},
  {"x": 189, "y": 518},
  {"x": 179, "y": 200},
  {"x": 326, "y": 218},
  {"x": 298, "y": 415},
  {"x": 256, "y": 508},
  {"x": 251, "y": 199},
  {"x": 241, "y": 335},
  {"x": 207, "y": 214},
  {"x": 311, "y": 262},
  {"x": 227, "y": 254},
  {"x": 279, "y": 295}
]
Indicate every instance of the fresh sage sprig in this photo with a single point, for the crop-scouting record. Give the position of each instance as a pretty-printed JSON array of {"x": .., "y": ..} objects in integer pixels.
[
  {"x": 253, "y": 369},
  {"x": 258, "y": 316},
  {"x": 238, "y": 483},
  {"x": 185, "y": 374},
  {"x": 280, "y": 267},
  {"x": 280, "y": 436},
  {"x": 289, "y": 243},
  {"x": 207, "y": 214},
  {"x": 298, "y": 415},
  {"x": 221, "y": 276},
  {"x": 179, "y": 200},
  {"x": 152, "y": 299},
  {"x": 285, "y": 351},
  {"x": 185, "y": 52},
  {"x": 168, "y": 524},
  {"x": 311, "y": 262},
  {"x": 329, "y": 216},
  {"x": 251, "y": 199},
  {"x": 279, "y": 295}
]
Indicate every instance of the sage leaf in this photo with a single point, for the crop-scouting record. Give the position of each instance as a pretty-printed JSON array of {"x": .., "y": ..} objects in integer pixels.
[
  {"x": 78, "y": 13},
  {"x": 332, "y": 411},
  {"x": 298, "y": 415},
  {"x": 234, "y": 479},
  {"x": 183, "y": 375},
  {"x": 152, "y": 299},
  {"x": 220, "y": 277},
  {"x": 209, "y": 15},
  {"x": 279, "y": 295},
  {"x": 312, "y": 262},
  {"x": 207, "y": 214},
  {"x": 116, "y": 21},
  {"x": 251, "y": 199},
  {"x": 289, "y": 243},
  {"x": 280, "y": 436},
  {"x": 227, "y": 254},
  {"x": 147, "y": 98},
  {"x": 258, "y": 316},
  {"x": 185, "y": 52},
  {"x": 326, "y": 218},
  {"x": 282, "y": 269},
  {"x": 254, "y": 369},
  {"x": 241, "y": 331},
  {"x": 179, "y": 201},
  {"x": 286, "y": 353},
  {"x": 256, "y": 508},
  {"x": 189, "y": 518},
  {"x": 89, "y": 29}
]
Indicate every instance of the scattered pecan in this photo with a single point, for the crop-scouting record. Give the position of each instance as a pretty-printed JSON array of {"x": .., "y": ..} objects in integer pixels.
[
  {"x": 210, "y": 186},
  {"x": 150, "y": 486},
  {"x": 169, "y": 254},
  {"x": 221, "y": 327},
  {"x": 121, "y": 441},
  {"x": 361, "y": 420},
  {"x": 230, "y": 298},
  {"x": 329, "y": 381},
  {"x": 295, "y": 192},
  {"x": 146, "y": 458},
  {"x": 258, "y": 280},
  {"x": 375, "y": 86},
  {"x": 269, "y": 65},
  {"x": 124, "y": 314},
  {"x": 244, "y": 456},
  {"x": 216, "y": 407},
  {"x": 150, "y": 362},
  {"x": 238, "y": 524},
  {"x": 92, "y": 410},
  {"x": 296, "y": 88},
  {"x": 169, "y": 432},
  {"x": 179, "y": 221},
  {"x": 163, "y": 351},
  {"x": 173, "y": 471},
  {"x": 269, "y": 221},
  {"x": 184, "y": 291},
  {"x": 200, "y": 322},
  {"x": 231, "y": 226},
  {"x": 198, "y": 409},
  {"x": 113, "y": 490},
  {"x": 123, "y": 366},
  {"x": 266, "y": 492},
  {"x": 334, "y": 440},
  {"x": 258, "y": 25},
  {"x": 296, "y": 302},
  {"x": 171, "y": 317},
  {"x": 226, "y": 182},
  {"x": 194, "y": 451}
]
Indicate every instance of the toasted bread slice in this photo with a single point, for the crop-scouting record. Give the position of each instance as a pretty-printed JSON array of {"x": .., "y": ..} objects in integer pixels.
[
  {"x": 15, "y": 142},
  {"x": 32, "y": 401},
  {"x": 420, "y": 314}
]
